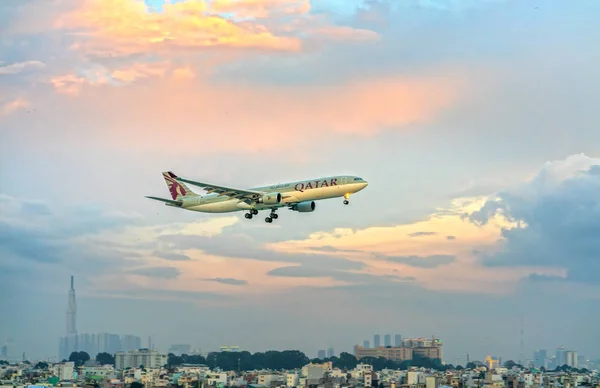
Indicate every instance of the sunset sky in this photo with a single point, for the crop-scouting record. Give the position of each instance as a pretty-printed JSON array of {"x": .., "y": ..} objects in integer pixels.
[{"x": 476, "y": 124}]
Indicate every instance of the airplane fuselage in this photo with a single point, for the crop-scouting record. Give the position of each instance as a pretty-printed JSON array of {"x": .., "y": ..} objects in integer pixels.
[{"x": 292, "y": 192}]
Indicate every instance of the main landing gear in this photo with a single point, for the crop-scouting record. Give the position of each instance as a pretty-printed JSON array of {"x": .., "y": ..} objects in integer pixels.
[
  {"x": 251, "y": 213},
  {"x": 346, "y": 196},
  {"x": 272, "y": 216}
]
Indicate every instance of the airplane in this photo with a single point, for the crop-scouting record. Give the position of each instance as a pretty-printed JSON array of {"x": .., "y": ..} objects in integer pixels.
[{"x": 298, "y": 196}]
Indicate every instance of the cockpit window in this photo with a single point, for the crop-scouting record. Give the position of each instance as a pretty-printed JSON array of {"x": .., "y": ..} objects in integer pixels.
[{"x": 358, "y": 179}]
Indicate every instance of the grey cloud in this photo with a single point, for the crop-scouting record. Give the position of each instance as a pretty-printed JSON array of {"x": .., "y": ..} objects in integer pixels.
[
  {"x": 329, "y": 248},
  {"x": 30, "y": 244},
  {"x": 242, "y": 247},
  {"x": 450, "y": 237},
  {"x": 230, "y": 281},
  {"x": 171, "y": 256},
  {"x": 158, "y": 272},
  {"x": 433, "y": 261},
  {"x": 562, "y": 225},
  {"x": 417, "y": 234},
  {"x": 20, "y": 67},
  {"x": 483, "y": 215},
  {"x": 164, "y": 295},
  {"x": 316, "y": 272}
]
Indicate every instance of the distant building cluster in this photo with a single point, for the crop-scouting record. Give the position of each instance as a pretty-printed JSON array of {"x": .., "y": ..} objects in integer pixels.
[
  {"x": 562, "y": 357},
  {"x": 387, "y": 341},
  {"x": 404, "y": 349},
  {"x": 91, "y": 343}
]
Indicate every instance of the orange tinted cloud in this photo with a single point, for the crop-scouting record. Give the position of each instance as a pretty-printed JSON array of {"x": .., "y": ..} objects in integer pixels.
[
  {"x": 14, "y": 105},
  {"x": 378, "y": 248},
  {"x": 257, "y": 116},
  {"x": 126, "y": 26},
  {"x": 260, "y": 8}
]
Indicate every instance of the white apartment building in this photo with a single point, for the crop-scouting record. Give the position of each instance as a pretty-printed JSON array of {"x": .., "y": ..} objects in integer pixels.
[
  {"x": 292, "y": 379},
  {"x": 65, "y": 371},
  {"x": 133, "y": 359}
]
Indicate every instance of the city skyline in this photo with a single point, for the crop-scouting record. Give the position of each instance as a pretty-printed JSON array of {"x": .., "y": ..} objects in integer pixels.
[
  {"x": 95, "y": 343},
  {"x": 475, "y": 123}
]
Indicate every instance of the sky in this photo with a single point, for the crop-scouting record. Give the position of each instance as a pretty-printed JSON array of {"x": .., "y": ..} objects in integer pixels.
[{"x": 476, "y": 124}]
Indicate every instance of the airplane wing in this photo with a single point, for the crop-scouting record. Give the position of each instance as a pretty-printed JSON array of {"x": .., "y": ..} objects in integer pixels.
[{"x": 240, "y": 194}]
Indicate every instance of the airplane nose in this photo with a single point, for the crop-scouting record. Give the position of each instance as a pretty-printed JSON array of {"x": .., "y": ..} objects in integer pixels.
[{"x": 365, "y": 184}]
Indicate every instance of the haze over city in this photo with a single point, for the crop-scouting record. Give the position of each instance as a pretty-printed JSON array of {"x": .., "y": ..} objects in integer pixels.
[{"x": 476, "y": 124}]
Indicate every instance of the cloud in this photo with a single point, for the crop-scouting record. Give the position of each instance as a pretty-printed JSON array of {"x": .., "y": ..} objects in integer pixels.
[
  {"x": 424, "y": 262},
  {"x": 13, "y": 106},
  {"x": 418, "y": 234},
  {"x": 558, "y": 213},
  {"x": 158, "y": 272},
  {"x": 125, "y": 27},
  {"x": 435, "y": 262},
  {"x": 317, "y": 111},
  {"x": 20, "y": 67},
  {"x": 171, "y": 256},
  {"x": 230, "y": 281}
]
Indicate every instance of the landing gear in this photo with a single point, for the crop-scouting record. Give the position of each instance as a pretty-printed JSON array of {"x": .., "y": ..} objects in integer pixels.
[
  {"x": 251, "y": 213},
  {"x": 346, "y": 202},
  {"x": 272, "y": 216},
  {"x": 346, "y": 196}
]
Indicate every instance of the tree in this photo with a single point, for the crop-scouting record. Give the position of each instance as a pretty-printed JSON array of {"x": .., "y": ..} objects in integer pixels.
[
  {"x": 41, "y": 365},
  {"x": 136, "y": 384},
  {"x": 511, "y": 364},
  {"x": 105, "y": 359},
  {"x": 79, "y": 358},
  {"x": 347, "y": 361}
]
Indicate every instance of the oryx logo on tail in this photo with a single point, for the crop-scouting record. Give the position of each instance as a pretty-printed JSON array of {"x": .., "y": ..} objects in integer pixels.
[{"x": 177, "y": 189}]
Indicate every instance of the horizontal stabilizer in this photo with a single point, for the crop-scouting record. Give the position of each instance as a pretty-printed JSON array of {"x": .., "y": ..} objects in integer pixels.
[{"x": 168, "y": 201}]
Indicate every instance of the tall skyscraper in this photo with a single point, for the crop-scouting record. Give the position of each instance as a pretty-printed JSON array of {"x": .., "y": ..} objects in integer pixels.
[
  {"x": 397, "y": 340},
  {"x": 70, "y": 342},
  {"x": 539, "y": 358},
  {"x": 72, "y": 312},
  {"x": 366, "y": 344},
  {"x": 387, "y": 340},
  {"x": 321, "y": 354},
  {"x": 330, "y": 352},
  {"x": 376, "y": 341}
]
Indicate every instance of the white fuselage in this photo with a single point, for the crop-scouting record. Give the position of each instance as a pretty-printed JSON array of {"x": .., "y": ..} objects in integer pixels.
[{"x": 293, "y": 192}]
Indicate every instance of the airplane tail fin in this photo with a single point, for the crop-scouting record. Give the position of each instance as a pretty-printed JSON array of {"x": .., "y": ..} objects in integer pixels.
[{"x": 176, "y": 188}]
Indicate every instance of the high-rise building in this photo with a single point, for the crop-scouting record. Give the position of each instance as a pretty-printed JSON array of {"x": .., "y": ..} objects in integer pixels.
[
  {"x": 4, "y": 352},
  {"x": 330, "y": 352},
  {"x": 560, "y": 356},
  {"x": 539, "y": 358},
  {"x": 571, "y": 359},
  {"x": 72, "y": 311},
  {"x": 70, "y": 342},
  {"x": 130, "y": 343},
  {"x": 397, "y": 340},
  {"x": 376, "y": 341},
  {"x": 387, "y": 340},
  {"x": 366, "y": 344},
  {"x": 321, "y": 354}
]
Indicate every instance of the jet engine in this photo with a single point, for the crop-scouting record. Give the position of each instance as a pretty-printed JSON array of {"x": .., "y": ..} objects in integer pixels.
[
  {"x": 304, "y": 207},
  {"x": 271, "y": 199}
]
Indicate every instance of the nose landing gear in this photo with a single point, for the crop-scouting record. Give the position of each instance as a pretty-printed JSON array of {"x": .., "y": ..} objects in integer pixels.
[{"x": 346, "y": 196}]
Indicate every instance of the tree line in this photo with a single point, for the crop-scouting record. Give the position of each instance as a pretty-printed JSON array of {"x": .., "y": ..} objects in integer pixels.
[{"x": 272, "y": 359}]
